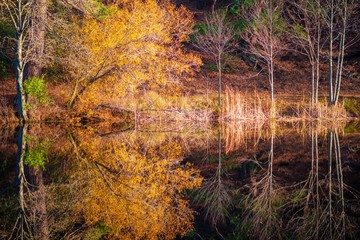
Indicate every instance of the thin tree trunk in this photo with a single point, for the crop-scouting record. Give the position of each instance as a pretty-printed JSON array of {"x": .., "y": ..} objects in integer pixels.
[
  {"x": 272, "y": 62},
  {"x": 213, "y": 5},
  {"x": 25, "y": 231},
  {"x": 219, "y": 78},
  {"x": 340, "y": 68},
  {"x": 312, "y": 83},
  {"x": 331, "y": 87},
  {"x": 219, "y": 154},
  {"x": 317, "y": 77},
  {"x": 20, "y": 96},
  {"x": 271, "y": 79},
  {"x": 341, "y": 54},
  {"x": 21, "y": 145},
  {"x": 330, "y": 147},
  {"x": 318, "y": 33}
]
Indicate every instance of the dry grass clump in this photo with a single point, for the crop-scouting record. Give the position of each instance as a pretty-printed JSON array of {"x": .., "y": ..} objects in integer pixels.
[
  {"x": 302, "y": 109},
  {"x": 244, "y": 106},
  {"x": 322, "y": 111}
]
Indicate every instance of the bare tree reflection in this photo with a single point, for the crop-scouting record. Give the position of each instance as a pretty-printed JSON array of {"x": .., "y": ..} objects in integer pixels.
[
  {"x": 215, "y": 194},
  {"x": 22, "y": 227},
  {"x": 319, "y": 206},
  {"x": 264, "y": 200},
  {"x": 32, "y": 219}
]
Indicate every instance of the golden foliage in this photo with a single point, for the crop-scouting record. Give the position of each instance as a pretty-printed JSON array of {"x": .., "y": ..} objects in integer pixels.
[{"x": 138, "y": 43}]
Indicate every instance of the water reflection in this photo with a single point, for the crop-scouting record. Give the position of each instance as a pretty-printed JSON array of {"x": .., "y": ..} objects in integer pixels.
[
  {"x": 215, "y": 194},
  {"x": 320, "y": 203},
  {"x": 261, "y": 181},
  {"x": 117, "y": 186},
  {"x": 31, "y": 221},
  {"x": 22, "y": 229},
  {"x": 298, "y": 192},
  {"x": 135, "y": 189},
  {"x": 262, "y": 203}
]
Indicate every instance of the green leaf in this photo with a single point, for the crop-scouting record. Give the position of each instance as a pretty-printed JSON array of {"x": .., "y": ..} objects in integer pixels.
[
  {"x": 37, "y": 87},
  {"x": 37, "y": 156}
]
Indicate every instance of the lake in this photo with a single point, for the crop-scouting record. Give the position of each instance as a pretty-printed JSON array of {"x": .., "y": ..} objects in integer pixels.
[{"x": 240, "y": 180}]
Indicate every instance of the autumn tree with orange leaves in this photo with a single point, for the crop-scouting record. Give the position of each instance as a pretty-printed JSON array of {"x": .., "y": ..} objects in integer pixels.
[{"x": 133, "y": 46}]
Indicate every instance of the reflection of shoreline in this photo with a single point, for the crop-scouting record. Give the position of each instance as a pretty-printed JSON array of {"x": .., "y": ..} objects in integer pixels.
[{"x": 286, "y": 172}]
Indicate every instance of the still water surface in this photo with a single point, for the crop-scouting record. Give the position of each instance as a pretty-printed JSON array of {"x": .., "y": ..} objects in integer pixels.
[{"x": 238, "y": 181}]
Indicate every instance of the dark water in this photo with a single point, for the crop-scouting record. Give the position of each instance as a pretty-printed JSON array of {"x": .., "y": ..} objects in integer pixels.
[{"x": 238, "y": 181}]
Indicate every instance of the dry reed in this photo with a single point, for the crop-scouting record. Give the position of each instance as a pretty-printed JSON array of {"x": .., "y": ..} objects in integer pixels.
[
  {"x": 301, "y": 109},
  {"x": 244, "y": 106}
]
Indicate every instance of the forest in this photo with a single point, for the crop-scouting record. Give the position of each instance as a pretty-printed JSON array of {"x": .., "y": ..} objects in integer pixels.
[
  {"x": 78, "y": 61},
  {"x": 179, "y": 119}
]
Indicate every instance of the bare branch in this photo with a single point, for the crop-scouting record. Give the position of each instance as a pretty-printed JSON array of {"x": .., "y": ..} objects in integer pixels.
[{"x": 6, "y": 56}]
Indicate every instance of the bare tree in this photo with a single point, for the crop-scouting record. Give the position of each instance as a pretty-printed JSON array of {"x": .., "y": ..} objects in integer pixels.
[
  {"x": 305, "y": 18},
  {"x": 337, "y": 21},
  {"x": 262, "y": 36},
  {"x": 20, "y": 16},
  {"x": 320, "y": 211},
  {"x": 26, "y": 51},
  {"x": 217, "y": 39}
]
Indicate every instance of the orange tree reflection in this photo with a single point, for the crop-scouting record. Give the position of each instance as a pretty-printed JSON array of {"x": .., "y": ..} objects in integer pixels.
[{"x": 137, "y": 192}]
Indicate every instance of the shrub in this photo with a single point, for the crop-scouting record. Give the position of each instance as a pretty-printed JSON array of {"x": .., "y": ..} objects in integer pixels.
[{"x": 37, "y": 88}]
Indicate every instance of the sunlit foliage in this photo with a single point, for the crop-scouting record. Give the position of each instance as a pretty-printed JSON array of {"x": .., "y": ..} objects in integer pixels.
[{"x": 136, "y": 45}]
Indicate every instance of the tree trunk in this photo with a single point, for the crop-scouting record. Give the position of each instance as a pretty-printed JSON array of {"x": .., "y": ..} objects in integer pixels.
[
  {"x": 21, "y": 145},
  {"x": 219, "y": 78},
  {"x": 317, "y": 58},
  {"x": 317, "y": 75},
  {"x": 312, "y": 83},
  {"x": 331, "y": 87},
  {"x": 271, "y": 79},
  {"x": 41, "y": 225},
  {"x": 38, "y": 191},
  {"x": 341, "y": 54},
  {"x": 37, "y": 38},
  {"x": 25, "y": 231},
  {"x": 19, "y": 64},
  {"x": 20, "y": 96}
]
